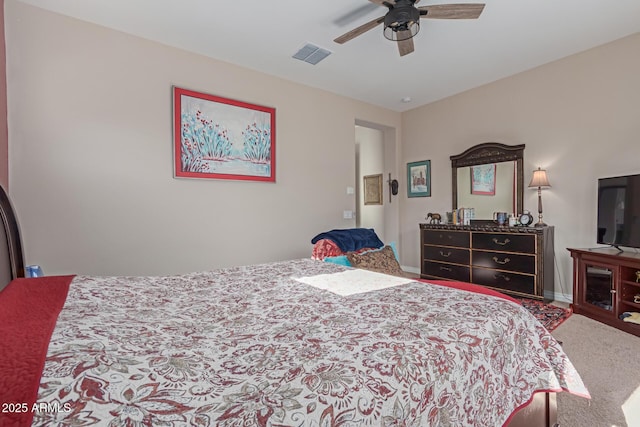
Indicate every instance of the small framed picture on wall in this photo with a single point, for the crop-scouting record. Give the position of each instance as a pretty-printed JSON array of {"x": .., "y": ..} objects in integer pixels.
[
  {"x": 419, "y": 179},
  {"x": 373, "y": 189}
]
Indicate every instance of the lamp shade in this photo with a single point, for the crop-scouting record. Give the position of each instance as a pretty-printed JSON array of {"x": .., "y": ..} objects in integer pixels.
[{"x": 539, "y": 179}]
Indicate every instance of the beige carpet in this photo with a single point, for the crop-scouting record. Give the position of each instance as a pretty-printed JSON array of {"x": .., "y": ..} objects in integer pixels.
[{"x": 608, "y": 361}]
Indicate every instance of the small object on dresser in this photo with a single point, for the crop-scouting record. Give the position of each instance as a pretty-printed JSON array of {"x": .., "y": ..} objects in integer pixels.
[
  {"x": 500, "y": 218},
  {"x": 525, "y": 218},
  {"x": 637, "y": 276},
  {"x": 636, "y": 298},
  {"x": 465, "y": 215},
  {"x": 449, "y": 217},
  {"x": 435, "y": 218}
]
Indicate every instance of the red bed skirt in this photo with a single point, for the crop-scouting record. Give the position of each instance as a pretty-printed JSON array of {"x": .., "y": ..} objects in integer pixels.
[
  {"x": 470, "y": 287},
  {"x": 29, "y": 310}
]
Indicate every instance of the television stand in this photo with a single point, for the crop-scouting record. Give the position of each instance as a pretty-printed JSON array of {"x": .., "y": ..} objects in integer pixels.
[{"x": 605, "y": 283}]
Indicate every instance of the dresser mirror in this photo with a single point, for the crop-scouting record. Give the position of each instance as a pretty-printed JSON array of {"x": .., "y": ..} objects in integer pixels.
[{"x": 489, "y": 178}]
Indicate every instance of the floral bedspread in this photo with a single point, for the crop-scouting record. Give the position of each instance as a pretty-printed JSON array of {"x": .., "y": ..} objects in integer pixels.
[{"x": 251, "y": 346}]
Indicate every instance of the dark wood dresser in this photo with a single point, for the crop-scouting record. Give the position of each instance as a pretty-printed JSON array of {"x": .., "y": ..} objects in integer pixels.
[{"x": 515, "y": 260}]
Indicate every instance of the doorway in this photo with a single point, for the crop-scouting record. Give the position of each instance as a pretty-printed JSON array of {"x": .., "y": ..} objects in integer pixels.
[
  {"x": 369, "y": 162},
  {"x": 375, "y": 153}
]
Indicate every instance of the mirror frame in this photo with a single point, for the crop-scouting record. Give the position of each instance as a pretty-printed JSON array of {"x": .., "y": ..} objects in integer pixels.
[{"x": 490, "y": 152}]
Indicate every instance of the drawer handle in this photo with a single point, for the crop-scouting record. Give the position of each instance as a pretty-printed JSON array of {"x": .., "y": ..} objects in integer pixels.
[
  {"x": 497, "y": 242},
  {"x": 447, "y": 255},
  {"x": 502, "y": 276},
  {"x": 505, "y": 261},
  {"x": 445, "y": 268}
]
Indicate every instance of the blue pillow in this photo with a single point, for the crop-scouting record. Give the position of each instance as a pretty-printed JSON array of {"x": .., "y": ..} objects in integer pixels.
[
  {"x": 340, "y": 260},
  {"x": 394, "y": 249}
]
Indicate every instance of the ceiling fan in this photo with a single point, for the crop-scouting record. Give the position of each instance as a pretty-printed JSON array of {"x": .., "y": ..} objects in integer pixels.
[{"x": 402, "y": 21}]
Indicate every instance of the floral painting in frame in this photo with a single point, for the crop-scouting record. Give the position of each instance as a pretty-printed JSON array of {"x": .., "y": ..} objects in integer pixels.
[
  {"x": 221, "y": 138},
  {"x": 483, "y": 179}
]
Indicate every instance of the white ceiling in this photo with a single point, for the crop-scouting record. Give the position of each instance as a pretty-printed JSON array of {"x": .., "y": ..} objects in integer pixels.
[{"x": 450, "y": 55}]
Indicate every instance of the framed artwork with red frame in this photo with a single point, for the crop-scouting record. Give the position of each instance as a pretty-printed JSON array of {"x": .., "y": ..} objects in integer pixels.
[
  {"x": 483, "y": 179},
  {"x": 221, "y": 138}
]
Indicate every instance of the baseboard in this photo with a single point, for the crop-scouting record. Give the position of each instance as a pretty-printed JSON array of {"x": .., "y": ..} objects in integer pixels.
[
  {"x": 557, "y": 296},
  {"x": 413, "y": 270}
]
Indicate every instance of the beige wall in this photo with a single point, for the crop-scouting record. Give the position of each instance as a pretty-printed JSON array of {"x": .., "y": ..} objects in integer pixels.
[
  {"x": 90, "y": 164},
  {"x": 579, "y": 118}
]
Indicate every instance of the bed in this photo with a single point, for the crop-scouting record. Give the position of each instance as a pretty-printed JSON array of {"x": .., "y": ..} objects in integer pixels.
[{"x": 293, "y": 343}]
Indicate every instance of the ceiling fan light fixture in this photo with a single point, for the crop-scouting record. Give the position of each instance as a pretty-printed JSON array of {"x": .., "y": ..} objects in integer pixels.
[{"x": 401, "y": 22}]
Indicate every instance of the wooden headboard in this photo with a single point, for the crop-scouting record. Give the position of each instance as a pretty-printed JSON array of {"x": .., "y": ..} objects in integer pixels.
[{"x": 11, "y": 258}]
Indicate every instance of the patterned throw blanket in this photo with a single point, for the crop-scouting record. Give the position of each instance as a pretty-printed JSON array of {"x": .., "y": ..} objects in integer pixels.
[{"x": 252, "y": 346}]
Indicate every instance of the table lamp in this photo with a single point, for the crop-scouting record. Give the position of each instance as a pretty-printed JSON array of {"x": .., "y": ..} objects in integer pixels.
[{"x": 539, "y": 180}]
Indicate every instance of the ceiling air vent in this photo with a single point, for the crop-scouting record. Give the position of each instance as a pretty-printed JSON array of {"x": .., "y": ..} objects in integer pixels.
[{"x": 311, "y": 53}]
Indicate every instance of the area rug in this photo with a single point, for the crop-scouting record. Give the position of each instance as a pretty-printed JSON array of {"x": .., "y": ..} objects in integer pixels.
[{"x": 549, "y": 315}]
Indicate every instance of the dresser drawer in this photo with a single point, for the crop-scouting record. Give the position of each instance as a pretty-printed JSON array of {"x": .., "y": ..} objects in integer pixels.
[
  {"x": 505, "y": 242},
  {"x": 446, "y": 238},
  {"x": 446, "y": 254},
  {"x": 508, "y": 281},
  {"x": 504, "y": 261},
  {"x": 446, "y": 271}
]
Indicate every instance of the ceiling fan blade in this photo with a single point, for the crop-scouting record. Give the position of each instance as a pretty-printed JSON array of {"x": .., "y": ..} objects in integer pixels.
[
  {"x": 359, "y": 30},
  {"x": 384, "y": 2},
  {"x": 355, "y": 14},
  {"x": 452, "y": 11},
  {"x": 405, "y": 47}
]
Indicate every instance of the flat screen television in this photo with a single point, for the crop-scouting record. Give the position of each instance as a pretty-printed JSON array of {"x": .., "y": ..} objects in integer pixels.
[{"x": 619, "y": 211}]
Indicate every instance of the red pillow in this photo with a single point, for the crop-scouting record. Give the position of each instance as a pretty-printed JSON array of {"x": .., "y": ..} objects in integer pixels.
[{"x": 325, "y": 248}]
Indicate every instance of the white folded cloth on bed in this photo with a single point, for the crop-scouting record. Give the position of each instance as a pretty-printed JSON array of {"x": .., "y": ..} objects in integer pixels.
[{"x": 353, "y": 281}]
